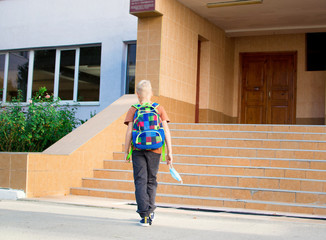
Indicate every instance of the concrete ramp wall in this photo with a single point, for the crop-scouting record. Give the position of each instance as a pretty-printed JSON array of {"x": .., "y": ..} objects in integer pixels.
[{"x": 65, "y": 163}]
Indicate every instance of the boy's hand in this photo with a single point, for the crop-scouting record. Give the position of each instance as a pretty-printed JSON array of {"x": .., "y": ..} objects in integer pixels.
[
  {"x": 169, "y": 159},
  {"x": 126, "y": 156}
]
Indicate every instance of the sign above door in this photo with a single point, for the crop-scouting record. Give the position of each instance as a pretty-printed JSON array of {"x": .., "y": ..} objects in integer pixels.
[{"x": 143, "y": 8}]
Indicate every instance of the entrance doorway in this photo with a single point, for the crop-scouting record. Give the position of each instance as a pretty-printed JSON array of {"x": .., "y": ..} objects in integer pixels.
[
  {"x": 268, "y": 88},
  {"x": 201, "y": 77},
  {"x": 198, "y": 82}
]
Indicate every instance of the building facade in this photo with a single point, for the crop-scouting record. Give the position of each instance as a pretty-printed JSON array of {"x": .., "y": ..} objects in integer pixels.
[
  {"x": 203, "y": 68},
  {"x": 236, "y": 64},
  {"x": 82, "y": 52}
]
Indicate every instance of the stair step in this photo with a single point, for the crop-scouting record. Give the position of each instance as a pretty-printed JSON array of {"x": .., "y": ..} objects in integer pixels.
[
  {"x": 249, "y": 152},
  {"x": 251, "y": 143},
  {"x": 243, "y": 161},
  {"x": 249, "y": 134},
  {"x": 207, "y": 201},
  {"x": 261, "y": 167},
  {"x": 249, "y": 127},
  {"x": 251, "y": 161},
  {"x": 224, "y": 180},
  {"x": 228, "y": 192},
  {"x": 231, "y": 170}
]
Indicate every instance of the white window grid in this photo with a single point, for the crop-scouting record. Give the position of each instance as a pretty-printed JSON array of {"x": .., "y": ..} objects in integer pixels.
[{"x": 56, "y": 76}]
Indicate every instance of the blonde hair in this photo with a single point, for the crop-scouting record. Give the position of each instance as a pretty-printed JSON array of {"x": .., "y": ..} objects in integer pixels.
[{"x": 144, "y": 88}]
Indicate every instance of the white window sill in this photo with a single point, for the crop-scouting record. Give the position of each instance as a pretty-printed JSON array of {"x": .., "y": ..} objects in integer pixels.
[{"x": 63, "y": 103}]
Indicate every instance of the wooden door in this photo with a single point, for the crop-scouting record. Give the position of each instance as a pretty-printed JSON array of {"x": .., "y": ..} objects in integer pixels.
[{"x": 268, "y": 88}]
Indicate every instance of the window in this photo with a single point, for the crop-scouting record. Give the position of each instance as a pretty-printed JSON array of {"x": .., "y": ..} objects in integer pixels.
[
  {"x": 67, "y": 74},
  {"x": 316, "y": 51},
  {"x": 71, "y": 74},
  {"x": 89, "y": 74},
  {"x": 43, "y": 74},
  {"x": 2, "y": 74},
  {"x": 131, "y": 69},
  {"x": 17, "y": 74}
]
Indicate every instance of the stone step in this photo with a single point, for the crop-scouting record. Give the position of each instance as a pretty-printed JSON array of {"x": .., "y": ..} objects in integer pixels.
[
  {"x": 249, "y": 127},
  {"x": 307, "y": 136},
  {"x": 251, "y": 143},
  {"x": 249, "y": 152},
  {"x": 255, "y": 167},
  {"x": 243, "y": 161},
  {"x": 230, "y": 170},
  {"x": 224, "y": 180},
  {"x": 208, "y": 202},
  {"x": 228, "y": 192}
]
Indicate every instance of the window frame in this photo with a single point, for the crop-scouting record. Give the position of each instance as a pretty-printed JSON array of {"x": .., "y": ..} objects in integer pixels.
[
  {"x": 56, "y": 74},
  {"x": 6, "y": 72},
  {"x": 5, "y": 77},
  {"x": 125, "y": 67}
]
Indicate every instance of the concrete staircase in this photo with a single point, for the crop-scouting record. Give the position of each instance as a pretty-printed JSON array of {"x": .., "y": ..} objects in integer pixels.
[{"x": 254, "y": 167}]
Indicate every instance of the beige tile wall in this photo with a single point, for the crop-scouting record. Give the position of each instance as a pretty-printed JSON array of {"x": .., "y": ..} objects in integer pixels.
[
  {"x": 204, "y": 87},
  {"x": 178, "y": 111},
  {"x": 149, "y": 51},
  {"x": 229, "y": 74},
  {"x": 211, "y": 116},
  {"x": 180, "y": 31},
  {"x": 13, "y": 168},
  {"x": 50, "y": 174},
  {"x": 175, "y": 71}
]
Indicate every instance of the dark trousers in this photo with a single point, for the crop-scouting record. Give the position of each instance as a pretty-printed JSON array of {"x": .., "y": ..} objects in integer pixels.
[{"x": 145, "y": 165}]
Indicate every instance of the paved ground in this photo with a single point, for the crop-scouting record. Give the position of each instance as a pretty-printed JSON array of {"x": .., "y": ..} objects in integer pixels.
[{"x": 114, "y": 220}]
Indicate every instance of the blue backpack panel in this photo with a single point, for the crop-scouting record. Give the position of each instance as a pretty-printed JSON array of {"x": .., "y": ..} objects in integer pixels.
[{"x": 148, "y": 131}]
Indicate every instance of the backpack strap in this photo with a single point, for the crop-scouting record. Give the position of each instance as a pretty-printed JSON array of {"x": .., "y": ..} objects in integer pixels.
[
  {"x": 130, "y": 153},
  {"x": 155, "y": 105},
  {"x": 137, "y": 106},
  {"x": 163, "y": 152}
]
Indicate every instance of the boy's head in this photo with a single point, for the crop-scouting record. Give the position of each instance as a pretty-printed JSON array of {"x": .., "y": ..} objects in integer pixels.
[{"x": 144, "y": 89}]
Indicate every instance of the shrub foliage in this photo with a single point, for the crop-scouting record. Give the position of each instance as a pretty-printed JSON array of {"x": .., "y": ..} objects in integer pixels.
[{"x": 35, "y": 127}]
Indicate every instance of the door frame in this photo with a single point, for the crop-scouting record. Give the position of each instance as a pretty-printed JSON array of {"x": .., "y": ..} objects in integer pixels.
[
  {"x": 198, "y": 82},
  {"x": 294, "y": 87}
]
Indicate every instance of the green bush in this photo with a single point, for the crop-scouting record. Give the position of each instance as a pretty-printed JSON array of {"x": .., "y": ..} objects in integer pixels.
[{"x": 35, "y": 127}]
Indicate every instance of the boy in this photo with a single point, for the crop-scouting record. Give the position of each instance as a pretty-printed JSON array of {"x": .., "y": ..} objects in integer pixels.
[{"x": 146, "y": 162}]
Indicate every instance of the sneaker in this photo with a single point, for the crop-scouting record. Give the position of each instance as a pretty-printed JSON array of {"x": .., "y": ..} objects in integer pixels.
[
  {"x": 145, "y": 222},
  {"x": 151, "y": 216}
]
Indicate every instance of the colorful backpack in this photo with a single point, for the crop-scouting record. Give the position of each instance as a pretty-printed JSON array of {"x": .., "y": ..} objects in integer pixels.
[{"x": 148, "y": 131}]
